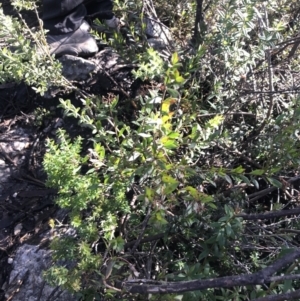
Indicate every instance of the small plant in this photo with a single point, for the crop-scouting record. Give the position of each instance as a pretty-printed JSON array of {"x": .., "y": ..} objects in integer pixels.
[{"x": 20, "y": 60}]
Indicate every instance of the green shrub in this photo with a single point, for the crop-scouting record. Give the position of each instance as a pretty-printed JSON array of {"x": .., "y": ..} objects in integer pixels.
[{"x": 157, "y": 195}]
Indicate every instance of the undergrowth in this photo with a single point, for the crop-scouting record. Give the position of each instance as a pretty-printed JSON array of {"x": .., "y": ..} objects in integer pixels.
[{"x": 159, "y": 195}]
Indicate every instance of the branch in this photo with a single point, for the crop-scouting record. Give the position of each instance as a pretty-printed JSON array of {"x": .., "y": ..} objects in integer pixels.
[
  {"x": 259, "y": 194},
  {"x": 293, "y": 50},
  {"x": 145, "y": 286},
  {"x": 144, "y": 240},
  {"x": 199, "y": 22},
  {"x": 269, "y": 215}
]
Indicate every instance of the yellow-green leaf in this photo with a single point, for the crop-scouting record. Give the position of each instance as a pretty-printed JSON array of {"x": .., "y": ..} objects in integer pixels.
[{"x": 175, "y": 58}]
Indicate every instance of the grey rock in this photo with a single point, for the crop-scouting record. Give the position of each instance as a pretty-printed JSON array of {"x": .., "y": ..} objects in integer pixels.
[
  {"x": 156, "y": 43},
  {"x": 159, "y": 35},
  {"x": 76, "y": 68},
  {"x": 155, "y": 29},
  {"x": 107, "y": 59},
  {"x": 26, "y": 281},
  {"x": 13, "y": 145}
]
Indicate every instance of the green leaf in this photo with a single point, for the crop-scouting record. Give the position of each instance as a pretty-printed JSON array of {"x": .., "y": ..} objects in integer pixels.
[
  {"x": 198, "y": 195},
  {"x": 170, "y": 184},
  {"x": 228, "y": 210},
  {"x": 149, "y": 193},
  {"x": 229, "y": 231},
  {"x": 118, "y": 244},
  {"x": 169, "y": 143},
  {"x": 215, "y": 122},
  {"x": 160, "y": 217},
  {"x": 257, "y": 172},
  {"x": 244, "y": 179},
  {"x": 109, "y": 268},
  {"x": 275, "y": 182},
  {"x": 228, "y": 179},
  {"x": 212, "y": 205},
  {"x": 287, "y": 285},
  {"x": 238, "y": 170},
  {"x": 179, "y": 79},
  {"x": 204, "y": 254},
  {"x": 168, "y": 179},
  {"x": 201, "y": 51},
  {"x": 173, "y": 135},
  {"x": 173, "y": 93},
  {"x": 256, "y": 184}
]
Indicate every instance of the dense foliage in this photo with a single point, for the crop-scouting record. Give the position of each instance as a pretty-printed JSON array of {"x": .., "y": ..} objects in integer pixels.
[{"x": 165, "y": 190}]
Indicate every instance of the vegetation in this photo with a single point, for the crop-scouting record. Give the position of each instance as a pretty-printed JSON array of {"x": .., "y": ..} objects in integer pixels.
[{"x": 190, "y": 189}]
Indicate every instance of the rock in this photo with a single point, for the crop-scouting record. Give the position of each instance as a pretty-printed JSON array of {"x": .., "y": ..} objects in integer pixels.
[
  {"x": 159, "y": 35},
  {"x": 107, "y": 60},
  {"x": 157, "y": 43},
  {"x": 26, "y": 281},
  {"x": 155, "y": 29},
  {"x": 76, "y": 68},
  {"x": 14, "y": 144}
]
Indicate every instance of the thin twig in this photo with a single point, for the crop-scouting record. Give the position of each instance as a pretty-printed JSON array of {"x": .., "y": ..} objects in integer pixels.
[{"x": 228, "y": 113}]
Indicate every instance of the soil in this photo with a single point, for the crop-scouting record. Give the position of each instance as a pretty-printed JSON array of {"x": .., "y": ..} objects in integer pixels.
[{"x": 26, "y": 203}]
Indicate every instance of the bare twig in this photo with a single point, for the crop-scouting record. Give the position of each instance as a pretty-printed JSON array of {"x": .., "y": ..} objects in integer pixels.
[
  {"x": 111, "y": 287},
  {"x": 293, "y": 50},
  {"x": 228, "y": 113}
]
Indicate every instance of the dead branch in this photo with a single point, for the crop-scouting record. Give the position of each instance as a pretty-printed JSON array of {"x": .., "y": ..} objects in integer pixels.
[
  {"x": 269, "y": 215},
  {"x": 199, "y": 22},
  {"x": 259, "y": 194},
  {"x": 145, "y": 286}
]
